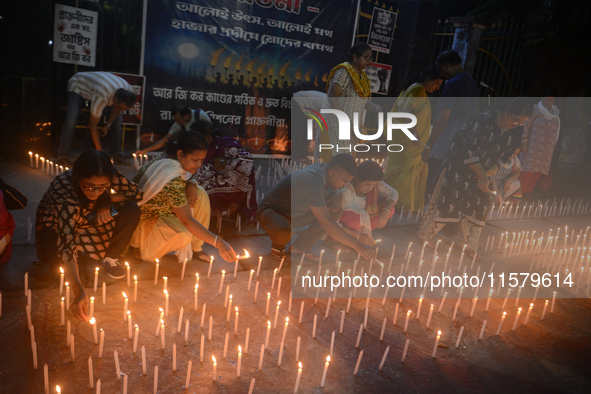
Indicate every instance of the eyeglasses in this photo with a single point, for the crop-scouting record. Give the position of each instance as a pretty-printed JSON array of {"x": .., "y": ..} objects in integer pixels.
[
  {"x": 517, "y": 122},
  {"x": 369, "y": 58},
  {"x": 95, "y": 189}
]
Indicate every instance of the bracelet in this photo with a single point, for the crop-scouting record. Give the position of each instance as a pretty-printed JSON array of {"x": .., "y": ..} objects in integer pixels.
[
  {"x": 386, "y": 210},
  {"x": 215, "y": 242},
  {"x": 192, "y": 181}
]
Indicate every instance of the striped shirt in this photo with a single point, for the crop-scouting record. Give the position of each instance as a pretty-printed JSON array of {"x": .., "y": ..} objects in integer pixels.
[{"x": 97, "y": 87}]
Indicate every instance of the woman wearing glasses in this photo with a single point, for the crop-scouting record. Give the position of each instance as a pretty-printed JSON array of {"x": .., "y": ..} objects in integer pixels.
[
  {"x": 464, "y": 192},
  {"x": 348, "y": 90},
  {"x": 86, "y": 219}
]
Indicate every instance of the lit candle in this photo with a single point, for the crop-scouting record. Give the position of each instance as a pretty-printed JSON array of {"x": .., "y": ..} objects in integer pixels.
[
  {"x": 430, "y": 314},
  {"x": 196, "y": 296},
  {"x": 101, "y": 344},
  {"x": 46, "y": 378},
  {"x": 162, "y": 334},
  {"x": 137, "y": 333},
  {"x": 157, "y": 268},
  {"x": 31, "y": 158},
  {"x": 63, "y": 312},
  {"x": 297, "y": 383},
  {"x": 210, "y": 265},
  {"x": 474, "y": 301},
  {"x": 436, "y": 344},
  {"x": 222, "y": 282},
  {"x": 268, "y": 333},
  {"x": 482, "y": 330},
  {"x": 239, "y": 361},
  {"x": 301, "y": 312},
  {"x": 96, "y": 272},
  {"x": 256, "y": 292},
  {"x": 186, "y": 331},
  {"x": 383, "y": 329},
  {"x": 274, "y": 276},
  {"x": 501, "y": 323},
  {"x": 57, "y": 388},
  {"x": 406, "y": 322},
  {"x": 159, "y": 320},
  {"x": 125, "y": 305},
  {"x": 166, "y": 299},
  {"x": 279, "y": 286},
  {"x": 67, "y": 295},
  {"x": 215, "y": 366},
  {"x": 280, "y": 353},
  {"x": 419, "y": 307},
  {"x": 326, "y": 364},
  {"x": 267, "y": 307},
  {"x": 516, "y": 319},
  {"x": 358, "y": 363},
  {"x": 259, "y": 265},
  {"x": 283, "y": 336},
  {"x": 94, "y": 332},
  {"x": 531, "y": 306},
  {"x": 197, "y": 278},
  {"x": 129, "y": 328},
  {"x": 134, "y": 289},
  {"x": 276, "y": 314},
  {"x": 553, "y": 302},
  {"x": 165, "y": 278},
  {"x": 203, "y": 314},
  {"x": 236, "y": 322},
  {"x": 128, "y": 268},
  {"x": 544, "y": 311}
]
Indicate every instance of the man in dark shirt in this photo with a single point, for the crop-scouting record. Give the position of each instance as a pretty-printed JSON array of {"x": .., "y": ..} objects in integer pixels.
[
  {"x": 299, "y": 202},
  {"x": 456, "y": 106}
]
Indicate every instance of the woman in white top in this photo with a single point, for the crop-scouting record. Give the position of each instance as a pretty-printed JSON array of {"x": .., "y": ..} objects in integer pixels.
[{"x": 368, "y": 202}]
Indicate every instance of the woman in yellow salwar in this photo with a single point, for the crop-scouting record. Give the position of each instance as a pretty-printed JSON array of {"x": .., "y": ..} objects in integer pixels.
[
  {"x": 405, "y": 171},
  {"x": 175, "y": 210},
  {"x": 348, "y": 90}
]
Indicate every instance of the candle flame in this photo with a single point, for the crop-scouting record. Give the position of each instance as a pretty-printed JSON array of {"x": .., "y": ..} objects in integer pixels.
[
  {"x": 165, "y": 291},
  {"x": 92, "y": 320},
  {"x": 239, "y": 349},
  {"x": 57, "y": 388},
  {"x": 161, "y": 321},
  {"x": 157, "y": 261},
  {"x": 63, "y": 299},
  {"x": 287, "y": 320},
  {"x": 136, "y": 326},
  {"x": 96, "y": 269},
  {"x": 196, "y": 287},
  {"x": 519, "y": 309},
  {"x": 251, "y": 271},
  {"x": 300, "y": 365},
  {"x": 268, "y": 322},
  {"x": 236, "y": 309},
  {"x": 531, "y": 305},
  {"x": 223, "y": 272},
  {"x": 124, "y": 295},
  {"x": 113, "y": 191},
  {"x": 278, "y": 303},
  {"x": 67, "y": 284},
  {"x": 504, "y": 313},
  {"x": 161, "y": 310},
  {"x": 213, "y": 358},
  {"x": 127, "y": 264},
  {"x": 327, "y": 359},
  {"x": 91, "y": 298},
  {"x": 135, "y": 277},
  {"x": 439, "y": 333},
  {"x": 230, "y": 296}
]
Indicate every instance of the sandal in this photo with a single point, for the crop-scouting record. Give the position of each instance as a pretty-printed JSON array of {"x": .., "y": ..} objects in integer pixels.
[
  {"x": 201, "y": 255},
  {"x": 278, "y": 254}
]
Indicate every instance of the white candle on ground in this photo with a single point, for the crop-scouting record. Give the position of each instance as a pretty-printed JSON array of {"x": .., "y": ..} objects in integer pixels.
[
  {"x": 159, "y": 320},
  {"x": 196, "y": 296},
  {"x": 384, "y": 358},
  {"x": 104, "y": 293},
  {"x": 298, "y": 343},
  {"x": 91, "y": 309},
  {"x": 210, "y": 265},
  {"x": 96, "y": 272},
  {"x": 359, "y": 335},
  {"x": 501, "y": 323},
  {"x": 250, "y": 280},
  {"x": 229, "y": 308},
  {"x": 144, "y": 366},
  {"x": 280, "y": 353},
  {"x": 162, "y": 334},
  {"x": 125, "y": 379},
  {"x": 531, "y": 306},
  {"x": 460, "y": 336},
  {"x": 156, "y": 379},
  {"x": 430, "y": 315},
  {"x": 137, "y": 333},
  {"x": 125, "y": 306},
  {"x": 325, "y": 371},
  {"x": 187, "y": 380},
  {"x": 128, "y": 274},
  {"x": 63, "y": 312},
  {"x": 187, "y": 331},
  {"x": 297, "y": 383},
  {"x": 314, "y": 326},
  {"x": 94, "y": 332},
  {"x": 201, "y": 348},
  {"x": 117, "y": 367},
  {"x": 180, "y": 322},
  {"x": 135, "y": 289},
  {"x": 516, "y": 319},
  {"x": 166, "y": 302},
  {"x": 203, "y": 314},
  {"x": 261, "y": 357},
  {"x": 101, "y": 344},
  {"x": 210, "y": 331},
  {"x": 406, "y": 322},
  {"x": 156, "y": 268},
  {"x": 90, "y": 373},
  {"x": 437, "y": 343},
  {"x": 222, "y": 282},
  {"x": 405, "y": 350},
  {"x": 129, "y": 328},
  {"x": 544, "y": 311},
  {"x": 174, "y": 356},
  {"x": 276, "y": 314},
  {"x": 46, "y": 378},
  {"x": 301, "y": 312},
  {"x": 246, "y": 340},
  {"x": 183, "y": 270}
]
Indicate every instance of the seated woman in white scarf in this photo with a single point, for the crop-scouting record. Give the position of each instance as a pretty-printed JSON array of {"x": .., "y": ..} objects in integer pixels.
[{"x": 175, "y": 210}]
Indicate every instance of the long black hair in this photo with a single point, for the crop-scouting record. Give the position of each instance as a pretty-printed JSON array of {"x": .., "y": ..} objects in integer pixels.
[
  {"x": 431, "y": 73},
  {"x": 93, "y": 163},
  {"x": 188, "y": 141}
]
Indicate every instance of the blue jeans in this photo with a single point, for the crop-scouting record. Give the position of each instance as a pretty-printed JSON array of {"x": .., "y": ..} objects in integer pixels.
[{"x": 75, "y": 101}]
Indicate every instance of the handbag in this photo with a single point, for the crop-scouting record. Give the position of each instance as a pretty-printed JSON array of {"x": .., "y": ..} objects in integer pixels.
[{"x": 13, "y": 198}]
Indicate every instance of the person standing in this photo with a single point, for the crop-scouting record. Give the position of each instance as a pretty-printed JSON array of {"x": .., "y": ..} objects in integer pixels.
[
  {"x": 453, "y": 111},
  {"x": 537, "y": 147},
  {"x": 109, "y": 95},
  {"x": 464, "y": 192},
  {"x": 348, "y": 90},
  {"x": 184, "y": 117},
  {"x": 405, "y": 171}
]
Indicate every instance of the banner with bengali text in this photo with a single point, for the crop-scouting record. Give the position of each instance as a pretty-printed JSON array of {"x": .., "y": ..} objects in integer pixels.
[
  {"x": 74, "y": 35},
  {"x": 241, "y": 61}
]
